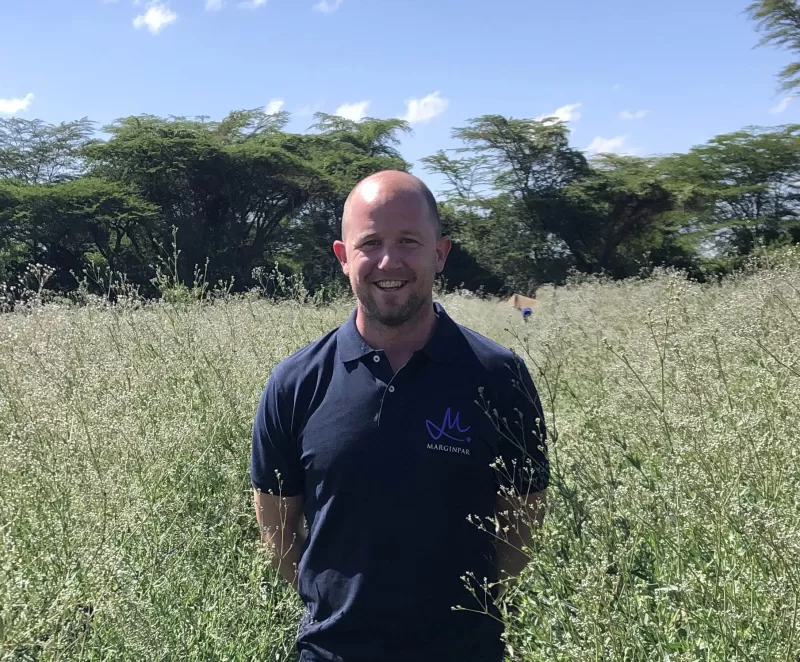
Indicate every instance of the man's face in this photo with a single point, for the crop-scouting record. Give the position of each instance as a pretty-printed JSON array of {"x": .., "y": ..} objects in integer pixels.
[{"x": 391, "y": 254}]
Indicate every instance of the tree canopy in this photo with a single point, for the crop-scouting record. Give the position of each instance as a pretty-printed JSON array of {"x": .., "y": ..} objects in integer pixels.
[
  {"x": 779, "y": 23},
  {"x": 241, "y": 194}
]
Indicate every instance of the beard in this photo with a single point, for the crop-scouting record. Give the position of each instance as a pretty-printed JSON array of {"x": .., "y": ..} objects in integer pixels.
[{"x": 395, "y": 316}]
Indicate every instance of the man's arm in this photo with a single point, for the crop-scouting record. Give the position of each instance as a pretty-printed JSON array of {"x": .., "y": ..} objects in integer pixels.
[
  {"x": 520, "y": 503},
  {"x": 276, "y": 469},
  {"x": 519, "y": 519},
  {"x": 280, "y": 521}
]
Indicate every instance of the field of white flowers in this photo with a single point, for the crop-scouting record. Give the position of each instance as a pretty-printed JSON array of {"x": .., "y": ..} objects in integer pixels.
[{"x": 673, "y": 530}]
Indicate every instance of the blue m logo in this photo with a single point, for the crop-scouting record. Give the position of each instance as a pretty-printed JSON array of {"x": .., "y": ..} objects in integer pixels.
[{"x": 449, "y": 426}]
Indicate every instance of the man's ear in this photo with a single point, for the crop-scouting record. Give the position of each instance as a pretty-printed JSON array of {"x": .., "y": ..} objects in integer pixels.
[
  {"x": 340, "y": 250},
  {"x": 443, "y": 247}
]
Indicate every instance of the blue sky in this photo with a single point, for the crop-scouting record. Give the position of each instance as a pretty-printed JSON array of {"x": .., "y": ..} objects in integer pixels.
[{"x": 630, "y": 75}]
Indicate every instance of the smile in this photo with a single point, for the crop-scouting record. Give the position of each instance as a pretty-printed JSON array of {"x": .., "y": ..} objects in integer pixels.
[{"x": 389, "y": 285}]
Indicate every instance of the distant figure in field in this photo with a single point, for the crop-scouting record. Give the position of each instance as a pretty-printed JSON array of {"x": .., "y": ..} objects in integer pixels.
[
  {"x": 524, "y": 304},
  {"x": 371, "y": 435}
]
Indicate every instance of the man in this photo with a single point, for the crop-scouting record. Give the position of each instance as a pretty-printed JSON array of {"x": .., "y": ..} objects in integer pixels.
[{"x": 382, "y": 435}]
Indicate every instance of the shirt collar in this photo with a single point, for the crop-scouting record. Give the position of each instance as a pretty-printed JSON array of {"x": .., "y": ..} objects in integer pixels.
[
  {"x": 349, "y": 342},
  {"x": 443, "y": 345}
]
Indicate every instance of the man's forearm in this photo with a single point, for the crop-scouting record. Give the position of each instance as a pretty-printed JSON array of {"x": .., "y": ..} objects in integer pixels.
[
  {"x": 281, "y": 531},
  {"x": 518, "y": 524},
  {"x": 511, "y": 560},
  {"x": 285, "y": 553}
]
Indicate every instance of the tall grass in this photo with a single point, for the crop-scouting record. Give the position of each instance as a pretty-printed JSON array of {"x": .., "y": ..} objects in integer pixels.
[{"x": 673, "y": 525}]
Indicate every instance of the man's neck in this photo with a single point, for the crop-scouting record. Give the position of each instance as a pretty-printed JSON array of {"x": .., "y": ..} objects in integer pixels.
[{"x": 398, "y": 343}]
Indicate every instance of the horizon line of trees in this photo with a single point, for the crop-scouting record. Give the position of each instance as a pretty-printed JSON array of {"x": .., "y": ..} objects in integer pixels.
[{"x": 523, "y": 206}]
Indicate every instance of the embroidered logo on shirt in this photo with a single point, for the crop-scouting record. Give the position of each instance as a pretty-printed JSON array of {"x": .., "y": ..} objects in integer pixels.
[{"x": 449, "y": 426}]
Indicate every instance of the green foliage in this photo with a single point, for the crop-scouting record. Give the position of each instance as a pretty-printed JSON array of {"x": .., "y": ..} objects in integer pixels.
[
  {"x": 508, "y": 181},
  {"x": 779, "y": 21},
  {"x": 740, "y": 188},
  {"x": 33, "y": 152},
  {"x": 62, "y": 223},
  {"x": 622, "y": 222},
  {"x": 240, "y": 193},
  {"x": 229, "y": 197},
  {"x": 226, "y": 192},
  {"x": 533, "y": 208}
]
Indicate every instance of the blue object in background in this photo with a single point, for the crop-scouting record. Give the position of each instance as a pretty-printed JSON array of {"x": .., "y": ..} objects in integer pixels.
[{"x": 526, "y": 313}]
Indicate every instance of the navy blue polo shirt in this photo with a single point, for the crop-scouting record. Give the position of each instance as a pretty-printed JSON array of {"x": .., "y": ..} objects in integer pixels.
[{"x": 392, "y": 466}]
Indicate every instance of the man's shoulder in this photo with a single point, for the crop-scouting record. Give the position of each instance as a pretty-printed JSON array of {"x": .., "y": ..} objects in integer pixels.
[
  {"x": 495, "y": 358},
  {"x": 306, "y": 362}
]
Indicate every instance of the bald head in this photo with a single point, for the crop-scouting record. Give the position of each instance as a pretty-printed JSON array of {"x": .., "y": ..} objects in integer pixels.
[
  {"x": 392, "y": 248},
  {"x": 390, "y": 187}
]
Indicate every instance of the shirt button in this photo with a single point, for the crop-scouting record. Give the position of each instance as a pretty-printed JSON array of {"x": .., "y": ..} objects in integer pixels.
[
  {"x": 391, "y": 389},
  {"x": 376, "y": 358}
]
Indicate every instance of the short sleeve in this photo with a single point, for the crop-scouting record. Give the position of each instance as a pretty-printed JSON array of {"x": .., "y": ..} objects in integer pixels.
[
  {"x": 523, "y": 434},
  {"x": 275, "y": 465}
]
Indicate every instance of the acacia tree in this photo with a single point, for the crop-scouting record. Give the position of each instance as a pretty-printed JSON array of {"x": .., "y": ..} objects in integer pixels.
[
  {"x": 530, "y": 158},
  {"x": 50, "y": 213},
  {"x": 522, "y": 205},
  {"x": 508, "y": 182},
  {"x": 741, "y": 187},
  {"x": 242, "y": 192},
  {"x": 226, "y": 186},
  {"x": 779, "y": 22},
  {"x": 534, "y": 206},
  {"x": 33, "y": 152},
  {"x": 620, "y": 221},
  {"x": 65, "y": 225}
]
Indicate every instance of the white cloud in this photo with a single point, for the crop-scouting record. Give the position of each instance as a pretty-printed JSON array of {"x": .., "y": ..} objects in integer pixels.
[
  {"x": 568, "y": 113},
  {"x": 155, "y": 19},
  {"x": 426, "y": 108},
  {"x": 628, "y": 115},
  {"x": 603, "y": 145},
  {"x": 615, "y": 145},
  {"x": 783, "y": 105},
  {"x": 252, "y": 4},
  {"x": 353, "y": 111},
  {"x": 213, "y": 5},
  {"x": 274, "y": 106},
  {"x": 12, "y": 106},
  {"x": 327, "y": 6}
]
